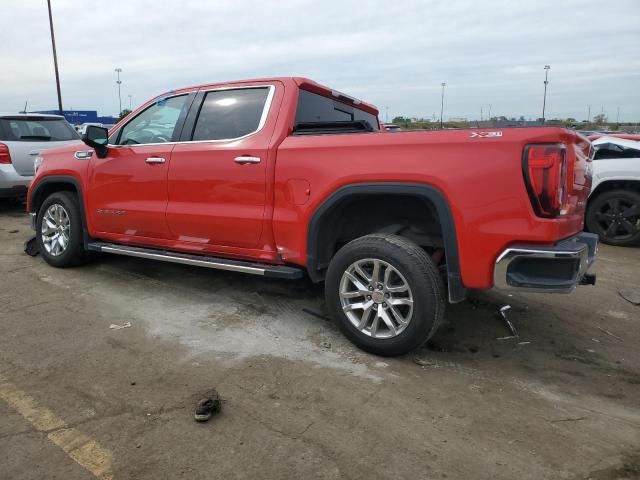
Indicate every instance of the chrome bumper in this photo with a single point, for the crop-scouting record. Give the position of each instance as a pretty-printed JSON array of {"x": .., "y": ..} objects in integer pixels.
[{"x": 558, "y": 269}]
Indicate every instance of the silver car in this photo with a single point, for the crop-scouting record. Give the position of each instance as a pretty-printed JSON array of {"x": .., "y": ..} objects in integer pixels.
[{"x": 22, "y": 137}]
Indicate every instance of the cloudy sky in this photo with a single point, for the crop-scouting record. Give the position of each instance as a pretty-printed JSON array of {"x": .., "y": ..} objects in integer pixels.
[{"x": 392, "y": 53}]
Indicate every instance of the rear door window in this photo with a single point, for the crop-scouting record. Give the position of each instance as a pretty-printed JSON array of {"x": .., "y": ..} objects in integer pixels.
[
  {"x": 36, "y": 130},
  {"x": 232, "y": 113},
  {"x": 314, "y": 108}
]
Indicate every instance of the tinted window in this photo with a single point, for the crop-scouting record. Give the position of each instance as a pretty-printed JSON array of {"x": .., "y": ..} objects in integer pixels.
[
  {"x": 314, "y": 108},
  {"x": 36, "y": 130},
  {"x": 227, "y": 114},
  {"x": 156, "y": 124},
  {"x": 610, "y": 150}
]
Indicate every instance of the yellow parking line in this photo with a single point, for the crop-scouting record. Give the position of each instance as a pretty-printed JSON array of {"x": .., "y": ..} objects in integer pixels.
[{"x": 82, "y": 449}]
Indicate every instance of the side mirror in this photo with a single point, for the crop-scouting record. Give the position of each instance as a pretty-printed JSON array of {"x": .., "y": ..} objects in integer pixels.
[{"x": 97, "y": 138}]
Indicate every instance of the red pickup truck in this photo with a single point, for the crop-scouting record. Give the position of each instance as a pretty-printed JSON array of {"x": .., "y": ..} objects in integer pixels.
[{"x": 283, "y": 177}]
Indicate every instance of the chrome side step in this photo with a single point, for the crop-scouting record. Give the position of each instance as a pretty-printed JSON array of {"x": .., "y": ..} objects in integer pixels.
[{"x": 273, "y": 271}]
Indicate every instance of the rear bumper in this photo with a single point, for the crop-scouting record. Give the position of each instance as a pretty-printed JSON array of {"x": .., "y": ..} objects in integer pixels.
[
  {"x": 558, "y": 269},
  {"x": 12, "y": 184}
]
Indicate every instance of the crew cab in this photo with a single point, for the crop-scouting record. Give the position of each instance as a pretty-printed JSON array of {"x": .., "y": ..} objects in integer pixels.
[{"x": 286, "y": 178}]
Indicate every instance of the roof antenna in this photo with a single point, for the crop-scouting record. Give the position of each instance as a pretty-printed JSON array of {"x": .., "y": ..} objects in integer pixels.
[{"x": 25, "y": 107}]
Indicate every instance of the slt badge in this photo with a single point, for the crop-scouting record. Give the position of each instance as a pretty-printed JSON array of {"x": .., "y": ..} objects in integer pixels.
[{"x": 486, "y": 134}]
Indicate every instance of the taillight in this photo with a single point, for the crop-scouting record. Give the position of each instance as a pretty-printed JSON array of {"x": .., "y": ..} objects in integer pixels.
[
  {"x": 5, "y": 156},
  {"x": 545, "y": 173}
]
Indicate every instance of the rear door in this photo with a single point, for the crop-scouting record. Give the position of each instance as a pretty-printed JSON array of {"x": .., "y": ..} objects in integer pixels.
[
  {"x": 217, "y": 177},
  {"x": 27, "y": 136},
  {"x": 127, "y": 190}
]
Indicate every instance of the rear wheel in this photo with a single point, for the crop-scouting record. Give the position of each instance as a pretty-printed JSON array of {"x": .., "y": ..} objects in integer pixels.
[
  {"x": 59, "y": 230},
  {"x": 385, "y": 294},
  {"x": 615, "y": 217}
]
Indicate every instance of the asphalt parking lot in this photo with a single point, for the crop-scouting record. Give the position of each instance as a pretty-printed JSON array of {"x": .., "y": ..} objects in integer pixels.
[{"x": 80, "y": 400}]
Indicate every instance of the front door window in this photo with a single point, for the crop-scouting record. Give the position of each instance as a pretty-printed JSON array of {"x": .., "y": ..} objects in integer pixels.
[{"x": 156, "y": 124}]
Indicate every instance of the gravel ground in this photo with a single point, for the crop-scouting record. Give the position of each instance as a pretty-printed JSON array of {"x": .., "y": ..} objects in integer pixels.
[{"x": 80, "y": 400}]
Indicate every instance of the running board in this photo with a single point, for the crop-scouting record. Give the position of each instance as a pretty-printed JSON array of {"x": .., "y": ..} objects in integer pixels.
[{"x": 272, "y": 271}]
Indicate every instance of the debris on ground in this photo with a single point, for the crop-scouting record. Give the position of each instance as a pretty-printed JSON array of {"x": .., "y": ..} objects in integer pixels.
[
  {"x": 316, "y": 314},
  {"x": 577, "y": 419},
  {"x": 502, "y": 313},
  {"x": 31, "y": 247},
  {"x": 631, "y": 295},
  {"x": 610, "y": 334},
  {"x": 113, "y": 326},
  {"x": 326, "y": 345},
  {"x": 423, "y": 362},
  {"x": 208, "y": 407}
]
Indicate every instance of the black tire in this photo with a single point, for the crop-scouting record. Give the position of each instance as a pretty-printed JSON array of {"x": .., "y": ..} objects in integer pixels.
[
  {"x": 74, "y": 253},
  {"x": 419, "y": 273},
  {"x": 615, "y": 217}
]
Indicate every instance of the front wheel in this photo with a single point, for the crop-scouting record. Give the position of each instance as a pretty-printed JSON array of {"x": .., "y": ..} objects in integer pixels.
[
  {"x": 59, "y": 230},
  {"x": 385, "y": 294},
  {"x": 615, "y": 217}
]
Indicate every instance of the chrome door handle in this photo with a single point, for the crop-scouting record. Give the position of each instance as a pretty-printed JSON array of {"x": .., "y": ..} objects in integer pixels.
[
  {"x": 244, "y": 159},
  {"x": 154, "y": 160}
]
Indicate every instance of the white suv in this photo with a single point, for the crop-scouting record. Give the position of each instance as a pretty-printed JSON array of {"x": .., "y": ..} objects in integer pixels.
[
  {"x": 22, "y": 138},
  {"x": 613, "y": 211}
]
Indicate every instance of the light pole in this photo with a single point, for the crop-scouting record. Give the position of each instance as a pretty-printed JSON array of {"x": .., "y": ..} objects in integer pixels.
[
  {"x": 55, "y": 58},
  {"x": 546, "y": 82},
  {"x": 119, "y": 82},
  {"x": 386, "y": 114},
  {"x": 129, "y": 102},
  {"x": 442, "y": 103}
]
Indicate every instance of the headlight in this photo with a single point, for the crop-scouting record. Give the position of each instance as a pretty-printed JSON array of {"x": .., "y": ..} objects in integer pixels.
[{"x": 37, "y": 162}]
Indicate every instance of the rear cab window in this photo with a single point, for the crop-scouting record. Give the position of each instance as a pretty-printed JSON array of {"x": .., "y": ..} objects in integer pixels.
[
  {"x": 36, "y": 129},
  {"x": 317, "y": 109}
]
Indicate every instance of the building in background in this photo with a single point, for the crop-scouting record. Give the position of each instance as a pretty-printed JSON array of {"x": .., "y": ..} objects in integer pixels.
[{"x": 78, "y": 117}]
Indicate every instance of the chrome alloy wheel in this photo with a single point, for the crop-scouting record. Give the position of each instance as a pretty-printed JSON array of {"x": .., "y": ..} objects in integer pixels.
[
  {"x": 55, "y": 230},
  {"x": 376, "y": 298}
]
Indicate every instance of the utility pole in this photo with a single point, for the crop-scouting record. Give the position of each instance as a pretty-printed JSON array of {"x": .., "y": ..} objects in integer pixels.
[
  {"x": 481, "y": 118},
  {"x": 589, "y": 115},
  {"x": 489, "y": 111},
  {"x": 442, "y": 103},
  {"x": 546, "y": 82},
  {"x": 119, "y": 82},
  {"x": 618, "y": 116},
  {"x": 55, "y": 58},
  {"x": 130, "y": 102},
  {"x": 386, "y": 114}
]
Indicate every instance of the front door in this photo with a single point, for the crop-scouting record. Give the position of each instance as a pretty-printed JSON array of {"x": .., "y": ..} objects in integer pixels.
[
  {"x": 128, "y": 189},
  {"x": 217, "y": 177}
]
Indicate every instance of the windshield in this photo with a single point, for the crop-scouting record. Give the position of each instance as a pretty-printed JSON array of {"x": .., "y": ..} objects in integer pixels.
[{"x": 36, "y": 129}]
